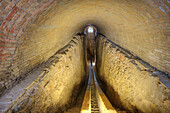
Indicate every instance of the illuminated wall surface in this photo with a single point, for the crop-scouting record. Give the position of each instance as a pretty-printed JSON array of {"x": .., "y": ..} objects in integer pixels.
[{"x": 31, "y": 31}]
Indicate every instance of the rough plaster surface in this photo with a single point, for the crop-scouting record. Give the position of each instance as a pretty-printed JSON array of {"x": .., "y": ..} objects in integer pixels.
[
  {"x": 127, "y": 83},
  {"x": 58, "y": 86}
]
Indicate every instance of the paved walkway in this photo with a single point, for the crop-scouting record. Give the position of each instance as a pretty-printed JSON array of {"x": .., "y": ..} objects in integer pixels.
[{"x": 9, "y": 97}]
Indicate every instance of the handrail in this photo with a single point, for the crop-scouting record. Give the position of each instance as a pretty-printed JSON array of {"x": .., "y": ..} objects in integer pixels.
[
  {"x": 86, "y": 106},
  {"x": 103, "y": 103}
]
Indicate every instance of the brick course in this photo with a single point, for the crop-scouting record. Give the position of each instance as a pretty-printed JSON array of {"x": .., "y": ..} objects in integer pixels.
[{"x": 15, "y": 15}]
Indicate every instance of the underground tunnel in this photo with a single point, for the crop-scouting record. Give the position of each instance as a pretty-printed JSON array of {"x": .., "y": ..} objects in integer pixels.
[{"x": 84, "y": 56}]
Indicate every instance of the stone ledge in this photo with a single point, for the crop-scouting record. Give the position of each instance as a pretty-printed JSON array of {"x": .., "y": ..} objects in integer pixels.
[
  {"x": 55, "y": 89},
  {"x": 128, "y": 84}
]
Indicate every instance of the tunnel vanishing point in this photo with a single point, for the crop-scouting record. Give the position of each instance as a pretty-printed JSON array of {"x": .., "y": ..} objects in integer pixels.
[{"x": 84, "y": 56}]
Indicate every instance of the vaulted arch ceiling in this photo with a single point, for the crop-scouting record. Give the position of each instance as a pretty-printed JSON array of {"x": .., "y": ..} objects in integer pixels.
[{"x": 33, "y": 31}]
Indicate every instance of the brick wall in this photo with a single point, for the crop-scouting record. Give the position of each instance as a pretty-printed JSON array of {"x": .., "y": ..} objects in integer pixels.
[
  {"x": 33, "y": 30},
  {"x": 15, "y": 15}
]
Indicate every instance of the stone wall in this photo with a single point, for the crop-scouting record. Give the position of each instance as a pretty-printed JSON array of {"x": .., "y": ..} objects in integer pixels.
[
  {"x": 129, "y": 84},
  {"x": 58, "y": 86}
]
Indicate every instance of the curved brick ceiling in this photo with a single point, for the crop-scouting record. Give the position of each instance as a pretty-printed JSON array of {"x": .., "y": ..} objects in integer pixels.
[{"x": 33, "y": 30}]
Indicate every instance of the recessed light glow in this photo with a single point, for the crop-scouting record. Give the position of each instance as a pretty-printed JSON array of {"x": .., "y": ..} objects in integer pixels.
[{"x": 90, "y": 30}]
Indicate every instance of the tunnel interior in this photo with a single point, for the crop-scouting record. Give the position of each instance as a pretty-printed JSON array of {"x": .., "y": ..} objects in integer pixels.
[
  {"x": 90, "y": 33},
  {"x": 47, "y": 46}
]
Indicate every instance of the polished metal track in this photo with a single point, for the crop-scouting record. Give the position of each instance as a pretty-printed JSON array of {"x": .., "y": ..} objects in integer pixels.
[
  {"x": 95, "y": 100},
  {"x": 92, "y": 99}
]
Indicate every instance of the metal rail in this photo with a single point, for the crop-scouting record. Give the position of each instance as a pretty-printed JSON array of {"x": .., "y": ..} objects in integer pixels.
[
  {"x": 86, "y": 106},
  {"x": 95, "y": 100}
]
